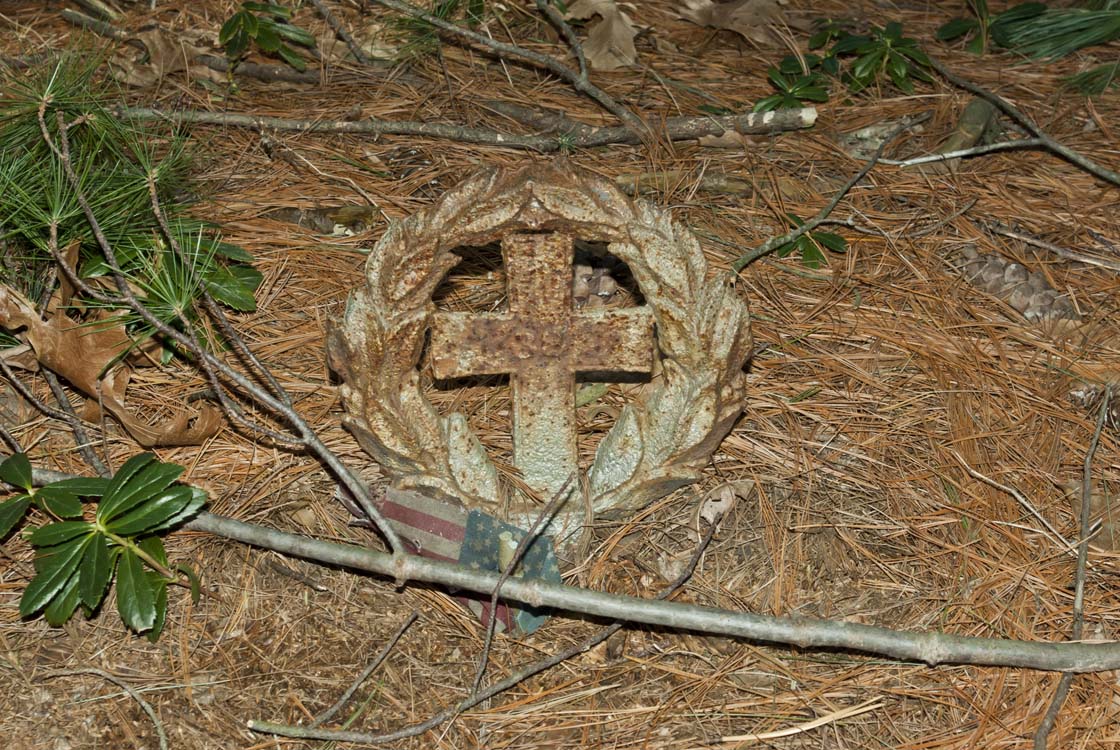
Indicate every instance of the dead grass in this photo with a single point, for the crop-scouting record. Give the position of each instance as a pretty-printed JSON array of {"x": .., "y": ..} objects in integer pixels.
[{"x": 878, "y": 369}]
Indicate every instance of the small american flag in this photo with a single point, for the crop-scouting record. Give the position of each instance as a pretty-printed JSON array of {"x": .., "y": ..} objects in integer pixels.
[{"x": 447, "y": 531}]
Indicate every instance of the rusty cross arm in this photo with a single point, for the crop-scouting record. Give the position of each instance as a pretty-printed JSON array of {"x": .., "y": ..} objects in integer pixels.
[{"x": 542, "y": 342}]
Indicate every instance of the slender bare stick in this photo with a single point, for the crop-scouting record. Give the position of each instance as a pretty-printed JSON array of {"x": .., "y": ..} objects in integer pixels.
[
  {"x": 543, "y": 519},
  {"x": 673, "y": 128},
  {"x": 577, "y": 81},
  {"x": 926, "y": 647},
  {"x": 1023, "y": 143},
  {"x": 132, "y": 693},
  {"x": 389, "y": 645},
  {"x": 775, "y": 242},
  {"x": 341, "y": 32},
  {"x": 308, "y": 437},
  {"x": 1043, "y": 732},
  {"x": 1061, "y": 252},
  {"x": 1027, "y": 123}
]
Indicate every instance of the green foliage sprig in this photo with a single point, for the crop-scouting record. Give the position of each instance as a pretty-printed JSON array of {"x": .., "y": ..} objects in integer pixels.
[
  {"x": 79, "y": 555},
  {"x": 797, "y": 81},
  {"x": 1096, "y": 80},
  {"x": 267, "y": 26},
  {"x": 117, "y": 164},
  {"x": 883, "y": 51},
  {"x": 811, "y": 245}
]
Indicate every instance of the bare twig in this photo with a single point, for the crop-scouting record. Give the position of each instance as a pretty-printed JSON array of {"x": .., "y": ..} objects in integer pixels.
[
  {"x": 1029, "y": 125},
  {"x": 566, "y": 30},
  {"x": 341, "y": 32},
  {"x": 1023, "y": 143},
  {"x": 389, "y": 645},
  {"x": 579, "y": 82},
  {"x": 775, "y": 242},
  {"x": 1055, "y": 536},
  {"x": 673, "y": 128},
  {"x": 282, "y": 407},
  {"x": 1062, "y": 252},
  {"x": 543, "y": 519},
  {"x": 1047, "y": 724},
  {"x": 132, "y": 693}
]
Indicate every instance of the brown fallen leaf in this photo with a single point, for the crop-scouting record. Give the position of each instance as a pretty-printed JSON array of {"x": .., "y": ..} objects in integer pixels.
[
  {"x": 89, "y": 358},
  {"x": 752, "y": 19},
  {"x": 166, "y": 52},
  {"x": 610, "y": 41}
]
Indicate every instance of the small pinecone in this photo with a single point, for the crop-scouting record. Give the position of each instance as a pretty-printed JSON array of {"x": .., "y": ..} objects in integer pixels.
[{"x": 1029, "y": 293}]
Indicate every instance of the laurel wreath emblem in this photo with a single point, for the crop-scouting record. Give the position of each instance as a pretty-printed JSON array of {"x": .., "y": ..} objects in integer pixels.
[{"x": 657, "y": 445}]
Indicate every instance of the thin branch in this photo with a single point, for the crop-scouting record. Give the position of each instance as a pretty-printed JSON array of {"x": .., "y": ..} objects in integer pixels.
[
  {"x": 81, "y": 437},
  {"x": 775, "y": 242},
  {"x": 389, "y": 645},
  {"x": 341, "y": 32},
  {"x": 997, "y": 228},
  {"x": 930, "y": 648},
  {"x": 132, "y": 693},
  {"x": 1047, "y": 724},
  {"x": 1056, "y": 537},
  {"x": 189, "y": 342},
  {"x": 1022, "y": 143},
  {"x": 1029, "y": 125},
  {"x": 566, "y": 30},
  {"x": 543, "y": 519},
  {"x": 673, "y": 128},
  {"x": 577, "y": 81}
]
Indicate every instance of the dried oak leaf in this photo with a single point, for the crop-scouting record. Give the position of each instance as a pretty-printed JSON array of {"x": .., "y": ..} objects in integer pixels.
[
  {"x": 88, "y": 357},
  {"x": 751, "y": 19},
  {"x": 166, "y": 53},
  {"x": 610, "y": 41}
]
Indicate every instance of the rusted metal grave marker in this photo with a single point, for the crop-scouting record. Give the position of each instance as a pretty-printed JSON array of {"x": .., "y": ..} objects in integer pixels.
[
  {"x": 542, "y": 342},
  {"x": 658, "y": 444}
]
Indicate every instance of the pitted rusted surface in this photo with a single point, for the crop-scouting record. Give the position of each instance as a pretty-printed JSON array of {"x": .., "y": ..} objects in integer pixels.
[{"x": 542, "y": 342}]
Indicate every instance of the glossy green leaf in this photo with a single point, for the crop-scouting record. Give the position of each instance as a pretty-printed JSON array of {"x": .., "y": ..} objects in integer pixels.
[
  {"x": 292, "y": 57},
  {"x": 159, "y": 586},
  {"x": 136, "y": 599},
  {"x": 59, "y": 501},
  {"x": 831, "y": 241},
  {"x": 849, "y": 43},
  {"x": 232, "y": 289},
  {"x": 230, "y": 28},
  {"x": 956, "y": 28},
  {"x": 196, "y": 582},
  {"x": 279, "y": 11},
  {"x": 153, "y": 547},
  {"x": 295, "y": 35},
  {"x": 152, "y": 512},
  {"x": 12, "y": 512},
  {"x": 811, "y": 255},
  {"x": 198, "y": 499},
  {"x": 58, "y": 533},
  {"x": 128, "y": 470},
  {"x": 975, "y": 45},
  {"x": 62, "y": 606},
  {"x": 151, "y": 480},
  {"x": 54, "y": 569},
  {"x": 95, "y": 572},
  {"x": 83, "y": 486},
  {"x": 231, "y": 251},
  {"x": 267, "y": 38},
  {"x": 16, "y": 470}
]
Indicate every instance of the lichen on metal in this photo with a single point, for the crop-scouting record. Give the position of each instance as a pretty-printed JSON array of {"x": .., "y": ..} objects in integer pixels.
[{"x": 658, "y": 444}]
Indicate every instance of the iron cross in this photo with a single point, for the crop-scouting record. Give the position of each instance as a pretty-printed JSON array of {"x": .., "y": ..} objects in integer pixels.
[{"x": 542, "y": 342}]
